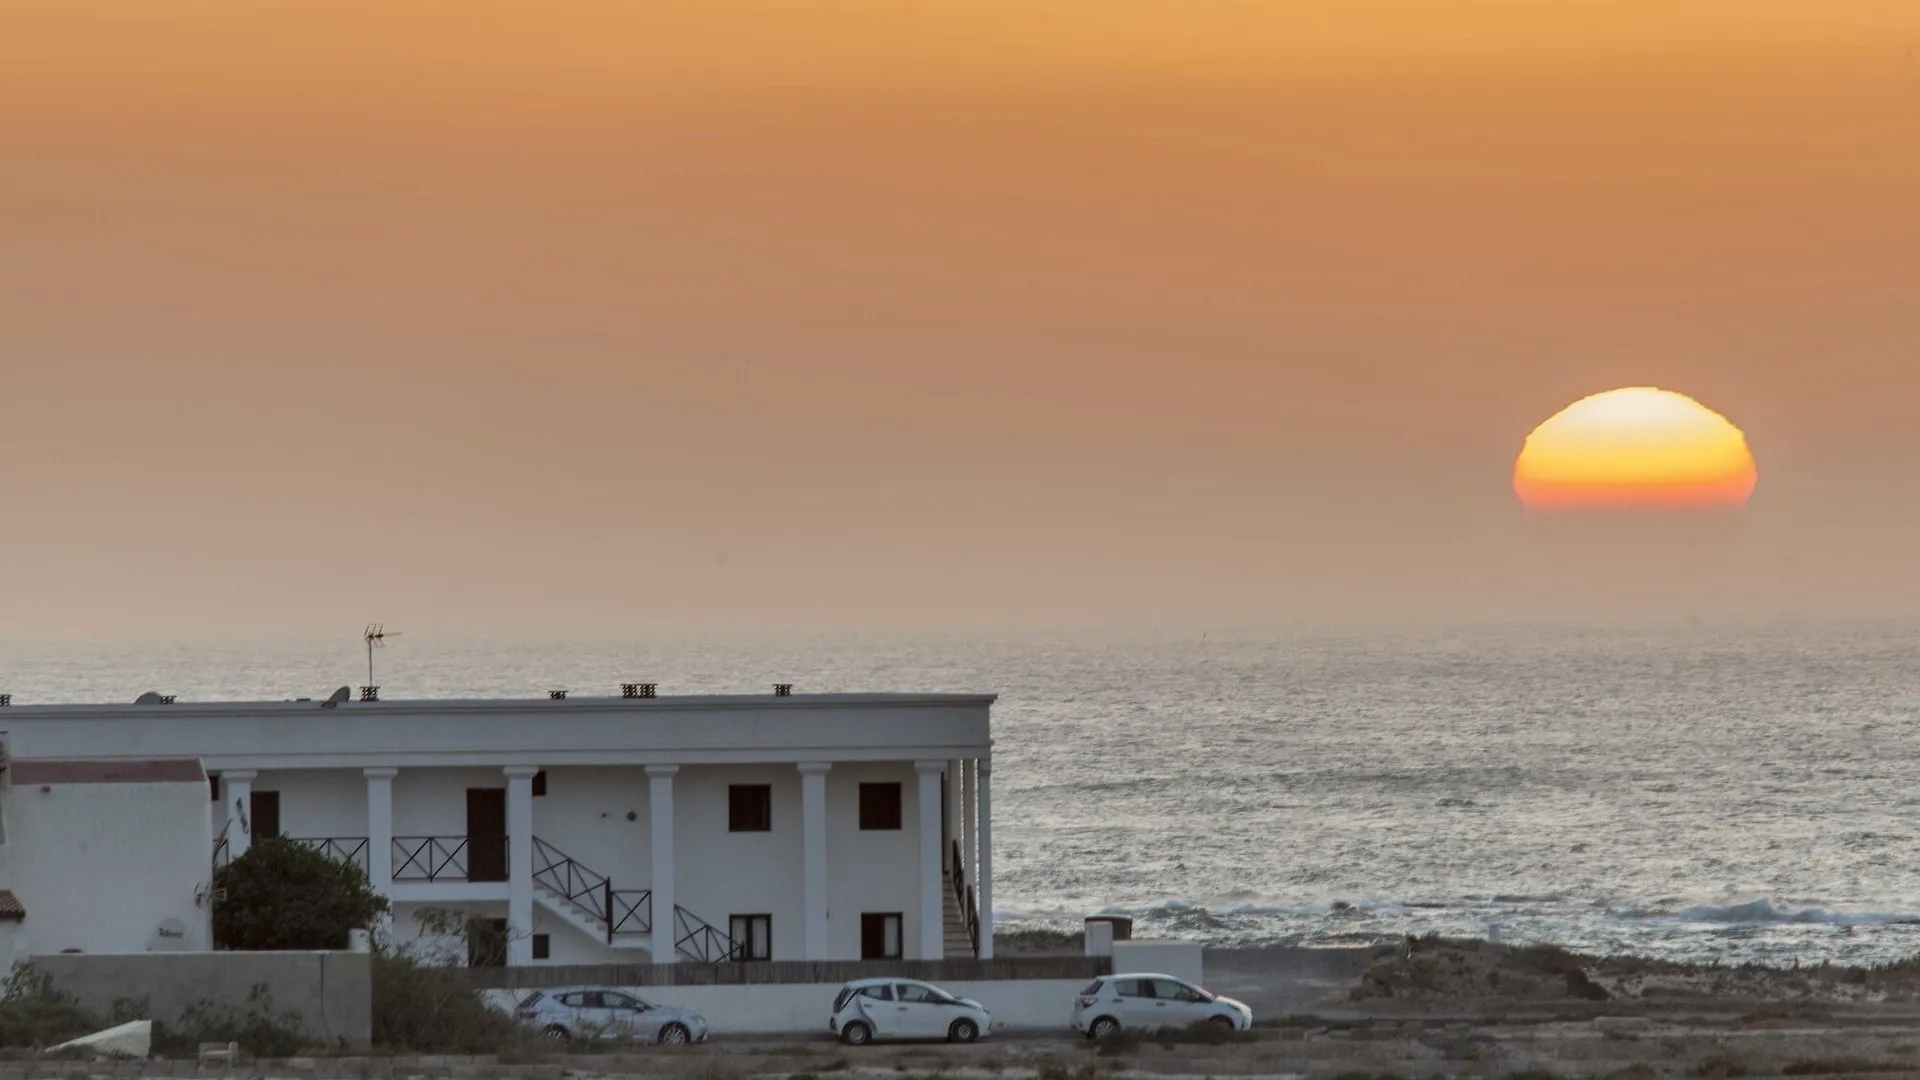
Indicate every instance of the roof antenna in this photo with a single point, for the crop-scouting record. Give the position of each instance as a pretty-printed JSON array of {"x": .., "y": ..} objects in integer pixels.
[{"x": 376, "y": 638}]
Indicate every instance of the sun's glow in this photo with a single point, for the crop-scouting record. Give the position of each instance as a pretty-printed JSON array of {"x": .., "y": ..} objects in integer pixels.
[{"x": 1636, "y": 448}]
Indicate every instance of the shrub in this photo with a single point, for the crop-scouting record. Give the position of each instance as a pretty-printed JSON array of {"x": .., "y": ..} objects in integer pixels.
[
  {"x": 283, "y": 895},
  {"x": 33, "y": 1013}
]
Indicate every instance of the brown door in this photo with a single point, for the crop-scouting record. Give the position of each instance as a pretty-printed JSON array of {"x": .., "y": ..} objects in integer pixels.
[
  {"x": 263, "y": 814},
  {"x": 486, "y": 834}
]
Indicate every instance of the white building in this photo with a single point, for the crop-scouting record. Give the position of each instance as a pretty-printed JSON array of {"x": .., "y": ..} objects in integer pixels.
[{"x": 577, "y": 830}]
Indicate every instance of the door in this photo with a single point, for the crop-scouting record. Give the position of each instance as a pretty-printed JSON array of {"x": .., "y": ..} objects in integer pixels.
[
  {"x": 263, "y": 814},
  {"x": 486, "y": 943},
  {"x": 878, "y": 1006},
  {"x": 923, "y": 1013},
  {"x": 629, "y": 1017},
  {"x": 879, "y": 935},
  {"x": 486, "y": 834},
  {"x": 1138, "y": 1007},
  {"x": 1183, "y": 1004}
]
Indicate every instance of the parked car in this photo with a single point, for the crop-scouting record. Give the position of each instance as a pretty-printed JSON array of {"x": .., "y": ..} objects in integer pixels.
[
  {"x": 1148, "y": 1002},
  {"x": 599, "y": 1013},
  {"x": 869, "y": 1009}
]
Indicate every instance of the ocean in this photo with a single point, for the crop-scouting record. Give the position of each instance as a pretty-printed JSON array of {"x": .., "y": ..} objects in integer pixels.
[{"x": 1694, "y": 793}]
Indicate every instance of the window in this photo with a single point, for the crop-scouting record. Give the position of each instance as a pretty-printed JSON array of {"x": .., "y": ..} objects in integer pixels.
[
  {"x": 925, "y": 995},
  {"x": 750, "y": 808},
  {"x": 611, "y": 999},
  {"x": 1171, "y": 990},
  {"x": 1135, "y": 988},
  {"x": 877, "y": 993},
  {"x": 540, "y": 783},
  {"x": 542, "y": 946},
  {"x": 213, "y": 785},
  {"x": 879, "y": 806},
  {"x": 752, "y": 936},
  {"x": 880, "y": 936},
  {"x": 577, "y": 1000}
]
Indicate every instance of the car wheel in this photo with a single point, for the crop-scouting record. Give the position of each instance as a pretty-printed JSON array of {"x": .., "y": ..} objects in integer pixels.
[
  {"x": 556, "y": 1032},
  {"x": 1102, "y": 1027},
  {"x": 856, "y": 1034},
  {"x": 963, "y": 1031},
  {"x": 1224, "y": 1023},
  {"x": 675, "y": 1035}
]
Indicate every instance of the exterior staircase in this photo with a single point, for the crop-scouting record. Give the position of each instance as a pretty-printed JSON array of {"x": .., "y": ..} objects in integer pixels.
[
  {"x": 959, "y": 917},
  {"x": 587, "y": 901}
]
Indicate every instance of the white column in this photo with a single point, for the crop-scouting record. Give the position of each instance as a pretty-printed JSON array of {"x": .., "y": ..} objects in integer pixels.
[
  {"x": 520, "y": 864},
  {"x": 932, "y": 928},
  {"x": 986, "y": 858},
  {"x": 969, "y": 785},
  {"x": 380, "y": 828},
  {"x": 660, "y": 792},
  {"x": 380, "y": 841},
  {"x": 813, "y": 840},
  {"x": 239, "y": 788}
]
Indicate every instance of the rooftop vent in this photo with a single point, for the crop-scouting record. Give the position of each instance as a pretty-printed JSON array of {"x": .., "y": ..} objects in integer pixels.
[
  {"x": 5, "y": 700},
  {"x": 637, "y": 689},
  {"x": 148, "y": 698},
  {"x": 783, "y": 689},
  {"x": 556, "y": 695},
  {"x": 369, "y": 693},
  {"x": 166, "y": 699}
]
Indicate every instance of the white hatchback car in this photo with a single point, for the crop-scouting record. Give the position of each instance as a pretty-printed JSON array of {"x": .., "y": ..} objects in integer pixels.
[
  {"x": 870, "y": 1009},
  {"x": 1149, "y": 1002}
]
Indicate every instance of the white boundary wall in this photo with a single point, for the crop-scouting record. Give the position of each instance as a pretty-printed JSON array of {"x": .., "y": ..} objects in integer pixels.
[{"x": 804, "y": 1008}]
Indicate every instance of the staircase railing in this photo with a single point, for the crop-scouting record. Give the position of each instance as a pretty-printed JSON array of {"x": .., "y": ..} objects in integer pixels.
[
  {"x": 696, "y": 940},
  {"x": 963, "y": 895},
  {"x": 621, "y": 911}
]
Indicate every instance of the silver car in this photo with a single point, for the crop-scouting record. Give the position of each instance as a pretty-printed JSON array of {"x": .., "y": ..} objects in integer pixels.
[
  {"x": 1148, "y": 1002},
  {"x": 593, "y": 1012}
]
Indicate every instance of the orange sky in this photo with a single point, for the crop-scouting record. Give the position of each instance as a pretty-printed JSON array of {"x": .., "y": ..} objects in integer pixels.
[{"x": 584, "y": 317}]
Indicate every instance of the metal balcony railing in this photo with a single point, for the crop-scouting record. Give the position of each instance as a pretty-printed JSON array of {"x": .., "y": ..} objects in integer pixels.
[
  {"x": 442, "y": 858},
  {"x": 348, "y": 849}
]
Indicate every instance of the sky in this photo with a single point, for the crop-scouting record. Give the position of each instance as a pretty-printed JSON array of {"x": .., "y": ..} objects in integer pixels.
[{"x": 586, "y": 317}]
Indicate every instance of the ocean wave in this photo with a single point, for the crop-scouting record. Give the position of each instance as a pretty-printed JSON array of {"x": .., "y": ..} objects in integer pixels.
[{"x": 1764, "y": 912}]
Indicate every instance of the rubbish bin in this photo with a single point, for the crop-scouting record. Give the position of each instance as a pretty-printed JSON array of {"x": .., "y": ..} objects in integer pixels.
[{"x": 1122, "y": 925}]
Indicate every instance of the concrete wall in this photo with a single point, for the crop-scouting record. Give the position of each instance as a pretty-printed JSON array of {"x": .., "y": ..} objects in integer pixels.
[
  {"x": 331, "y": 993},
  {"x": 1180, "y": 959},
  {"x": 104, "y": 867},
  {"x": 1016, "y": 1004}
]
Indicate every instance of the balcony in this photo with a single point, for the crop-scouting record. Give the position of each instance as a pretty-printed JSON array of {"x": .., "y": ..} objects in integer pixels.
[{"x": 347, "y": 849}]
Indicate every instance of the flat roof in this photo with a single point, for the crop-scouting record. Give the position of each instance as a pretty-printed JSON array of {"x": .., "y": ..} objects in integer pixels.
[
  {"x": 49, "y": 771},
  {"x": 571, "y": 702}
]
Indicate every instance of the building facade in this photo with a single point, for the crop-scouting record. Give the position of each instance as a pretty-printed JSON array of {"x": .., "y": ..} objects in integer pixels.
[{"x": 587, "y": 830}]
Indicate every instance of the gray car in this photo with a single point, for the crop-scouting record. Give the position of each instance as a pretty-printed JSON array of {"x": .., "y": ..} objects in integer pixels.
[{"x": 595, "y": 1012}]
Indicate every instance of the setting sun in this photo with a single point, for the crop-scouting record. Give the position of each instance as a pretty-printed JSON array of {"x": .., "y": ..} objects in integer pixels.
[{"x": 1635, "y": 448}]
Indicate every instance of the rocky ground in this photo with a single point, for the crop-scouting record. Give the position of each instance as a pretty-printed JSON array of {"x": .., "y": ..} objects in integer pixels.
[{"x": 1422, "y": 1009}]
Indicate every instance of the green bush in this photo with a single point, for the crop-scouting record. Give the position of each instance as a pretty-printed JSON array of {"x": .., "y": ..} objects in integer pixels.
[
  {"x": 34, "y": 1014},
  {"x": 283, "y": 895}
]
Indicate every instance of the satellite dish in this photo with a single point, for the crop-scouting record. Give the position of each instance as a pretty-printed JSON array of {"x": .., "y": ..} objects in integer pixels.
[
  {"x": 149, "y": 698},
  {"x": 169, "y": 936},
  {"x": 345, "y": 693}
]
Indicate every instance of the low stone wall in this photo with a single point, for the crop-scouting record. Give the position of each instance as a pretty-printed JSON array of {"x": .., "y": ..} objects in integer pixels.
[
  {"x": 329, "y": 994},
  {"x": 791, "y": 972}
]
